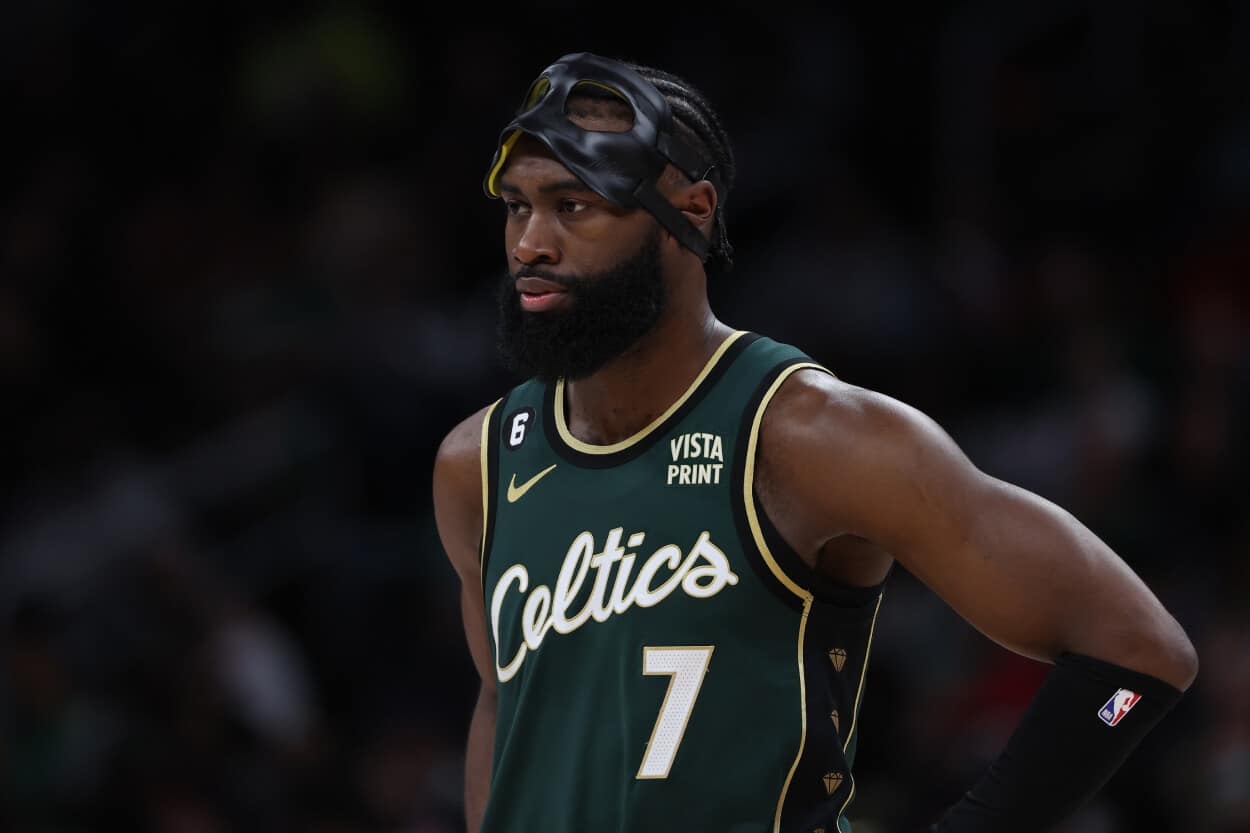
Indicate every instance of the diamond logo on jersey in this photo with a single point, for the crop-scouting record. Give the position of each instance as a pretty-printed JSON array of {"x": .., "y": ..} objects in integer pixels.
[
  {"x": 838, "y": 657},
  {"x": 833, "y": 780},
  {"x": 1118, "y": 706}
]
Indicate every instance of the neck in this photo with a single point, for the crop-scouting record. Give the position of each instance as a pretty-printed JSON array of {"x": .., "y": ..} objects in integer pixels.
[{"x": 634, "y": 389}]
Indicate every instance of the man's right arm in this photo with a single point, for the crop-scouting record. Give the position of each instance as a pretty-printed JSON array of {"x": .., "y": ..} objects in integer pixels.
[{"x": 458, "y": 512}]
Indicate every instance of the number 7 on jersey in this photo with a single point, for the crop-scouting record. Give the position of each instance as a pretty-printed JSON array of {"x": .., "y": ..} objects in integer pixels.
[{"x": 686, "y": 665}]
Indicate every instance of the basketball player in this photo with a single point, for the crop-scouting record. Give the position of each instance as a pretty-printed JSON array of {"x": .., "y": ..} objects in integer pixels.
[{"x": 674, "y": 539}]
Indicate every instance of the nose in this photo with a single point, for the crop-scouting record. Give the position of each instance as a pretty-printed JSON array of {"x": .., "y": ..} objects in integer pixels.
[{"x": 537, "y": 243}]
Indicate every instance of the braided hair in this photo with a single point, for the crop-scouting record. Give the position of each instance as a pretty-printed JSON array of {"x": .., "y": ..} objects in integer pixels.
[{"x": 698, "y": 123}]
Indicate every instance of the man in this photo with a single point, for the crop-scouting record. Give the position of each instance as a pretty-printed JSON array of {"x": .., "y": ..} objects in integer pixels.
[{"x": 673, "y": 540}]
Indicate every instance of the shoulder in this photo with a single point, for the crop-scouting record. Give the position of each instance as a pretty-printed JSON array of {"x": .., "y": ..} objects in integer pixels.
[
  {"x": 850, "y": 459},
  {"x": 813, "y": 400},
  {"x": 462, "y": 445},
  {"x": 458, "y": 488},
  {"x": 815, "y": 417}
]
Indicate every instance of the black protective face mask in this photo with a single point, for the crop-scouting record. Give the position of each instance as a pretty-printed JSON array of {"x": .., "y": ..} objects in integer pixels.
[
  {"x": 623, "y": 167},
  {"x": 609, "y": 312}
]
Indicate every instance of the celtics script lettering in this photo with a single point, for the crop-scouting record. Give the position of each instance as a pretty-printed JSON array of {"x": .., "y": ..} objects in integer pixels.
[{"x": 701, "y": 573}]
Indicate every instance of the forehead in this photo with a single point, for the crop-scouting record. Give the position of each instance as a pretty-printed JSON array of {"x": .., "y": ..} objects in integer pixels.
[{"x": 595, "y": 110}]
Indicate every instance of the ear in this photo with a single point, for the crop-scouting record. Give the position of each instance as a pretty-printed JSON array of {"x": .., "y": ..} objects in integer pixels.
[{"x": 697, "y": 202}]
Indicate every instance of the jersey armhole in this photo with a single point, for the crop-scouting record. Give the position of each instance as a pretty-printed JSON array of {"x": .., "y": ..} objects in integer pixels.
[{"x": 787, "y": 573}]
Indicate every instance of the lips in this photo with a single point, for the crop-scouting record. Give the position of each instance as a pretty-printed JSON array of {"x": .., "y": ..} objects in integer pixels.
[
  {"x": 537, "y": 286},
  {"x": 538, "y": 294}
]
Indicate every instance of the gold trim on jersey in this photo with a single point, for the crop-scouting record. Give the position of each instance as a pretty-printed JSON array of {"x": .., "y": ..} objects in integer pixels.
[
  {"x": 748, "y": 486},
  {"x": 862, "y": 675},
  {"x": 573, "y": 442},
  {"x": 757, "y": 532},
  {"x": 850, "y": 796},
  {"x": 798, "y": 756},
  {"x": 855, "y": 706},
  {"x": 484, "y": 456},
  {"x": 748, "y": 482}
]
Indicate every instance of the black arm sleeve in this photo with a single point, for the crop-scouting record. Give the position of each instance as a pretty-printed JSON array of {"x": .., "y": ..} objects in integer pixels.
[{"x": 1072, "y": 738}]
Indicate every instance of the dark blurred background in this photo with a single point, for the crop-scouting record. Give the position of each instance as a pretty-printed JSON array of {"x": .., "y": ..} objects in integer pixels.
[{"x": 247, "y": 288}]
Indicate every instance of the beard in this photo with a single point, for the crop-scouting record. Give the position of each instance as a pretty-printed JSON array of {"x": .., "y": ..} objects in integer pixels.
[{"x": 606, "y": 314}]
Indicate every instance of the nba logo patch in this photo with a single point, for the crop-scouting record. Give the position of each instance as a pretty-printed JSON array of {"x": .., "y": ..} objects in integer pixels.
[{"x": 1118, "y": 706}]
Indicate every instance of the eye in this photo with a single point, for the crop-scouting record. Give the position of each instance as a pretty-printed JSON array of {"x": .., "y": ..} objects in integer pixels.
[
  {"x": 514, "y": 207},
  {"x": 572, "y": 206}
]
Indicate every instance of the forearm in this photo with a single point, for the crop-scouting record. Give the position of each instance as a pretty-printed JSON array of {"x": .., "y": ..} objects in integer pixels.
[
  {"x": 479, "y": 752},
  {"x": 1077, "y": 732}
]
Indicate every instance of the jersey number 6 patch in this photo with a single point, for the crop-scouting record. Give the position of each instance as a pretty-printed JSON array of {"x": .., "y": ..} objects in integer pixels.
[{"x": 518, "y": 426}]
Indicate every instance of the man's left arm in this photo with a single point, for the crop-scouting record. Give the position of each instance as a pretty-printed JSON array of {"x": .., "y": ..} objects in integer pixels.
[{"x": 1020, "y": 569}]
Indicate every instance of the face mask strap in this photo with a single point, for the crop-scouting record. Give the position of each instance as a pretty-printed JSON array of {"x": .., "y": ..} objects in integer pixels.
[{"x": 668, "y": 216}]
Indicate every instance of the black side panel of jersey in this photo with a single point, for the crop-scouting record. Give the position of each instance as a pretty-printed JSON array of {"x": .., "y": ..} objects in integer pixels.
[{"x": 835, "y": 655}]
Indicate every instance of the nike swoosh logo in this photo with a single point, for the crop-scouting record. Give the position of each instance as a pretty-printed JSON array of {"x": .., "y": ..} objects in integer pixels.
[{"x": 516, "y": 492}]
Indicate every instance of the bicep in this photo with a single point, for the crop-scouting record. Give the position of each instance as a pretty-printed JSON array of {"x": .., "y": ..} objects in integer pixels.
[{"x": 1016, "y": 566}]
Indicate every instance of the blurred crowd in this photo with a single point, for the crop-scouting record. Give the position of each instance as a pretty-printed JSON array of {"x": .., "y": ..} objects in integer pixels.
[{"x": 246, "y": 286}]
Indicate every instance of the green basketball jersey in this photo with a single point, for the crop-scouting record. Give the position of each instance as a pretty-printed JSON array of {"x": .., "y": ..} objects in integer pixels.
[{"x": 664, "y": 661}]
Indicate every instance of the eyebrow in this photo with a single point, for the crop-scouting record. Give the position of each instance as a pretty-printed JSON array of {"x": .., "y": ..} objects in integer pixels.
[{"x": 548, "y": 187}]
